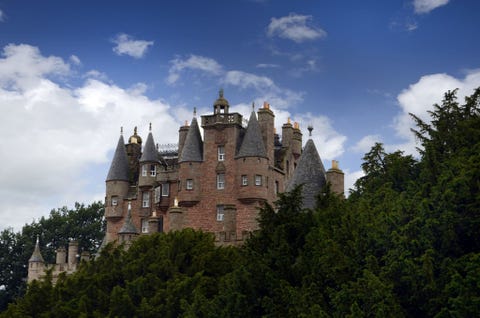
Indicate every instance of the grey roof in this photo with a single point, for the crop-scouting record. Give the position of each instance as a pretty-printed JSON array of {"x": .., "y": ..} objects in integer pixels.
[
  {"x": 128, "y": 227},
  {"x": 36, "y": 255},
  {"x": 119, "y": 169},
  {"x": 252, "y": 144},
  {"x": 309, "y": 172},
  {"x": 150, "y": 153},
  {"x": 193, "y": 147}
]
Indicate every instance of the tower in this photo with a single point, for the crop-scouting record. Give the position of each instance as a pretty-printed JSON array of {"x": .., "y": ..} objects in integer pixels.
[{"x": 36, "y": 264}]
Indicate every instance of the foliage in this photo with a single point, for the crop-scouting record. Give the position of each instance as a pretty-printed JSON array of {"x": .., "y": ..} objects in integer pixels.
[
  {"x": 83, "y": 223},
  {"x": 404, "y": 244}
]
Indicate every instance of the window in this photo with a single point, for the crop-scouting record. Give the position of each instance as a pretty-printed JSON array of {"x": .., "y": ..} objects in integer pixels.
[
  {"x": 144, "y": 226},
  {"x": 157, "y": 194},
  {"x": 153, "y": 170},
  {"x": 277, "y": 187},
  {"x": 189, "y": 184},
  {"x": 258, "y": 180},
  {"x": 220, "y": 181},
  {"x": 221, "y": 153},
  {"x": 220, "y": 213},
  {"x": 244, "y": 180},
  {"x": 144, "y": 170},
  {"x": 145, "y": 199},
  {"x": 165, "y": 189},
  {"x": 114, "y": 200}
]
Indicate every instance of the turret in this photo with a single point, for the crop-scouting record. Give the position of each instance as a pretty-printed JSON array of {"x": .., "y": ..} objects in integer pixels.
[
  {"x": 128, "y": 232},
  {"x": 221, "y": 104},
  {"x": 36, "y": 264},
  {"x": 182, "y": 135},
  {"x": 72, "y": 254},
  {"x": 252, "y": 163},
  {"x": 149, "y": 162},
  {"x": 61, "y": 256},
  {"x": 309, "y": 173},
  {"x": 190, "y": 162},
  {"x": 134, "y": 152}
]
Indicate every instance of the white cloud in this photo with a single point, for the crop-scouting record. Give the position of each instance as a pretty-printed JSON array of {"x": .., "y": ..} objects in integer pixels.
[
  {"x": 419, "y": 98},
  {"x": 2, "y": 16},
  {"x": 366, "y": 143},
  {"x": 126, "y": 45},
  {"x": 75, "y": 60},
  {"x": 295, "y": 27},
  {"x": 248, "y": 80},
  {"x": 56, "y": 134},
  {"x": 193, "y": 62},
  {"x": 351, "y": 178},
  {"x": 425, "y": 6},
  {"x": 267, "y": 65},
  {"x": 96, "y": 75}
]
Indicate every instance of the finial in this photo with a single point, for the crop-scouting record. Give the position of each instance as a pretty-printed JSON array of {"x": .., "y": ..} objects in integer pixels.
[
  {"x": 121, "y": 130},
  {"x": 194, "y": 111},
  {"x": 310, "y": 128},
  {"x": 135, "y": 131},
  {"x": 150, "y": 127},
  {"x": 289, "y": 120},
  {"x": 220, "y": 93},
  {"x": 38, "y": 240},
  {"x": 253, "y": 106},
  {"x": 158, "y": 146}
]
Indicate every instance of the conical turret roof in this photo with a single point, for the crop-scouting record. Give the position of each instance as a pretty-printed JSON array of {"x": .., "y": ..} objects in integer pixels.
[
  {"x": 119, "y": 169},
  {"x": 36, "y": 255},
  {"x": 252, "y": 144},
  {"x": 150, "y": 153},
  {"x": 128, "y": 226},
  {"x": 193, "y": 147},
  {"x": 309, "y": 172}
]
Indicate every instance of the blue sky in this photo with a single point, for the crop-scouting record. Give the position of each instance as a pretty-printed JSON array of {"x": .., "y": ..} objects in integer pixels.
[{"x": 72, "y": 73}]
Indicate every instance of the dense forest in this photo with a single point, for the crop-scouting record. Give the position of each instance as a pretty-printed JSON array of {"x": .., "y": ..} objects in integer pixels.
[{"x": 405, "y": 243}]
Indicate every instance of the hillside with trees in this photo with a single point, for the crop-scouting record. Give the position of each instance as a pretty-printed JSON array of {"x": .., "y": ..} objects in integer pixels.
[{"x": 404, "y": 244}]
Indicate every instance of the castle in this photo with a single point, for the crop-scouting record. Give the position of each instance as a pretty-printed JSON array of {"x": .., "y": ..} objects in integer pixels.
[{"x": 216, "y": 183}]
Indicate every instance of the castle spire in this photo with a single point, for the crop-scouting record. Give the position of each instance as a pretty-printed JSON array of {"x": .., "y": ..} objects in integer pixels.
[
  {"x": 252, "y": 144},
  {"x": 310, "y": 173},
  {"x": 150, "y": 153},
  {"x": 36, "y": 255},
  {"x": 193, "y": 148},
  {"x": 119, "y": 168}
]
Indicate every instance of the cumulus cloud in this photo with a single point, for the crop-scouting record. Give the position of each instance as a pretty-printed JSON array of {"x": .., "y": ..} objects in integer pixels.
[
  {"x": 419, "y": 98},
  {"x": 295, "y": 27},
  {"x": 366, "y": 143},
  {"x": 75, "y": 60},
  {"x": 351, "y": 178},
  {"x": 127, "y": 45},
  {"x": 425, "y": 6},
  {"x": 193, "y": 62},
  {"x": 56, "y": 133}
]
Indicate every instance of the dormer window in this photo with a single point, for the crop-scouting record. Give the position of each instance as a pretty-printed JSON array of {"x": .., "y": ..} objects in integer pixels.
[{"x": 221, "y": 153}]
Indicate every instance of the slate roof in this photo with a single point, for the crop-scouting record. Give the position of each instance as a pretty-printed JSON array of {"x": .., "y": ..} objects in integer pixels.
[
  {"x": 252, "y": 144},
  {"x": 150, "y": 153},
  {"x": 193, "y": 147},
  {"x": 309, "y": 172},
  {"x": 128, "y": 227},
  {"x": 119, "y": 169},
  {"x": 36, "y": 255}
]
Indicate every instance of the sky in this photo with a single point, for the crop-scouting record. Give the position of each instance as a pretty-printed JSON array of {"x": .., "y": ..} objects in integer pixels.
[{"x": 73, "y": 72}]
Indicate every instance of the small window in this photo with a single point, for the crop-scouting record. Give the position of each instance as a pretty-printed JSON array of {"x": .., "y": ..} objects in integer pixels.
[
  {"x": 145, "y": 199},
  {"x": 221, "y": 153},
  {"x": 114, "y": 200},
  {"x": 144, "y": 170},
  {"x": 244, "y": 180},
  {"x": 220, "y": 213},
  {"x": 220, "y": 181},
  {"x": 157, "y": 194},
  {"x": 153, "y": 170},
  {"x": 144, "y": 226},
  {"x": 189, "y": 184},
  {"x": 277, "y": 187},
  {"x": 165, "y": 189},
  {"x": 258, "y": 180}
]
